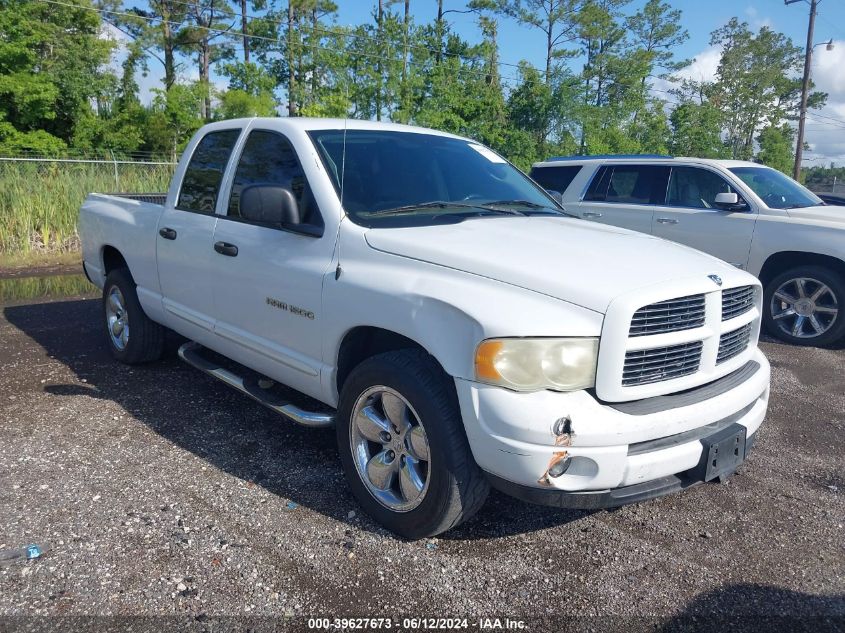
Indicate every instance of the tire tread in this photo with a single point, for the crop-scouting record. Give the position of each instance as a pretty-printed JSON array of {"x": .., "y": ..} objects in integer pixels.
[{"x": 146, "y": 343}]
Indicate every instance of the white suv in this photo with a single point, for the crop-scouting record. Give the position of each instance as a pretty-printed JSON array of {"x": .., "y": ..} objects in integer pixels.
[{"x": 751, "y": 216}]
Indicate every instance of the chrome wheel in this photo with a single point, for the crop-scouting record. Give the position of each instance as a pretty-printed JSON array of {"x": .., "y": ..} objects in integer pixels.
[
  {"x": 117, "y": 320},
  {"x": 390, "y": 448},
  {"x": 804, "y": 307}
]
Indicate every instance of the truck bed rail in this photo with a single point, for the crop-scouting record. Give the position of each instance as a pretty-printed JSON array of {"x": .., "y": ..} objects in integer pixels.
[{"x": 152, "y": 198}]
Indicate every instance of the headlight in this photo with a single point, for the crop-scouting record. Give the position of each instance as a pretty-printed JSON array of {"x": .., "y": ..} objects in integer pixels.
[{"x": 532, "y": 364}]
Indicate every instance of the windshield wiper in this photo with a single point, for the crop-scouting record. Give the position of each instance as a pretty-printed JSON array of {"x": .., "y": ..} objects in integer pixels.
[
  {"x": 549, "y": 209},
  {"x": 514, "y": 203},
  {"x": 438, "y": 204}
]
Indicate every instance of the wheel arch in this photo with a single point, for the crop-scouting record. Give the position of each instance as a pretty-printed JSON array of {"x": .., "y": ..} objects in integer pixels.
[
  {"x": 363, "y": 342},
  {"x": 112, "y": 259},
  {"x": 784, "y": 260}
]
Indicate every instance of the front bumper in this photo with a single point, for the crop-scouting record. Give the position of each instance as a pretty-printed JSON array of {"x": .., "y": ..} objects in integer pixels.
[
  {"x": 618, "y": 453},
  {"x": 605, "y": 498}
]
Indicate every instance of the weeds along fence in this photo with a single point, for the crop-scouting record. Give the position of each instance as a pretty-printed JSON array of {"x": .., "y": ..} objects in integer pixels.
[{"x": 40, "y": 197}]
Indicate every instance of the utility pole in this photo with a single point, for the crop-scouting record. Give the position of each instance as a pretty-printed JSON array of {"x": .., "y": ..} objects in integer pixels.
[{"x": 805, "y": 87}]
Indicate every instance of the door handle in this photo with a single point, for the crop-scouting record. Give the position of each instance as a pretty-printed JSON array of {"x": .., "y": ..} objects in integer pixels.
[
  {"x": 224, "y": 248},
  {"x": 592, "y": 214},
  {"x": 666, "y": 221},
  {"x": 166, "y": 233}
]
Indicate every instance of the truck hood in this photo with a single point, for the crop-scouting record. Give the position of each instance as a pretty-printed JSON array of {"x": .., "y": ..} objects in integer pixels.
[
  {"x": 826, "y": 213},
  {"x": 579, "y": 262}
]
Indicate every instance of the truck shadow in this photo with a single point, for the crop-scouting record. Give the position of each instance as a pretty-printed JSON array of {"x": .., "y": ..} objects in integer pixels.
[
  {"x": 758, "y": 608},
  {"x": 223, "y": 427}
]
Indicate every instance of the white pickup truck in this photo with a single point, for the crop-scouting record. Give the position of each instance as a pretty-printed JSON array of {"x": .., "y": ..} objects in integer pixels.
[{"x": 441, "y": 311}]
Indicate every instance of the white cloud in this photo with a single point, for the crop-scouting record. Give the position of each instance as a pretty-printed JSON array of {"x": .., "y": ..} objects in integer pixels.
[
  {"x": 756, "y": 22},
  {"x": 827, "y": 69},
  {"x": 704, "y": 66},
  {"x": 826, "y": 137},
  {"x": 110, "y": 32}
]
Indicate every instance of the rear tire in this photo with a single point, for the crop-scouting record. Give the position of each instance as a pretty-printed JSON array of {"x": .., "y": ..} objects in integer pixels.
[
  {"x": 132, "y": 337},
  {"x": 424, "y": 479},
  {"x": 817, "y": 318}
]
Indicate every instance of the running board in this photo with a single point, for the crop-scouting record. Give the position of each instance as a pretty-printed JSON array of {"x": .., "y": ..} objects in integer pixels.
[{"x": 191, "y": 353}]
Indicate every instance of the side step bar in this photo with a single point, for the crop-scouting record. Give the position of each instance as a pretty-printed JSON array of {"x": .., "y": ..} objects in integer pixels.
[{"x": 191, "y": 353}]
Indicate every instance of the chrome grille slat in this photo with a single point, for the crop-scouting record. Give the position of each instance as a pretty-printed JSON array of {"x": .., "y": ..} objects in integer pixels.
[
  {"x": 672, "y": 315},
  {"x": 643, "y": 367},
  {"x": 737, "y": 301},
  {"x": 634, "y": 372},
  {"x": 644, "y": 319},
  {"x": 662, "y": 359},
  {"x": 733, "y": 343}
]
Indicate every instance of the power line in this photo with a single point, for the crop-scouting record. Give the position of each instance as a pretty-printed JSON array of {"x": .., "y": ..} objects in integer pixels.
[
  {"x": 508, "y": 81},
  {"x": 479, "y": 74},
  {"x": 346, "y": 32},
  {"x": 823, "y": 116}
]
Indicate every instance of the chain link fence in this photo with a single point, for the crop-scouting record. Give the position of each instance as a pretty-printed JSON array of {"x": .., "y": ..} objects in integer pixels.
[{"x": 40, "y": 196}]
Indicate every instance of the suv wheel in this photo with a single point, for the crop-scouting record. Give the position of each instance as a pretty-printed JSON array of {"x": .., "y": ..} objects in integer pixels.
[
  {"x": 804, "y": 306},
  {"x": 403, "y": 447},
  {"x": 133, "y": 338}
]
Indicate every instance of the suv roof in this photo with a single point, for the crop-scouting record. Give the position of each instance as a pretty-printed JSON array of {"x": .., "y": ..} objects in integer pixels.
[{"x": 639, "y": 158}]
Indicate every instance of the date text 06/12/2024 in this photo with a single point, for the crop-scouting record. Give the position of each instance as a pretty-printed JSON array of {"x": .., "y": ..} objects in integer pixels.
[{"x": 447, "y": 624}]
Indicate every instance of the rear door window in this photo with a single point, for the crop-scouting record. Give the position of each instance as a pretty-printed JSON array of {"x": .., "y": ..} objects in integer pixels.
[
  {"x": 201, "y": 183},
  {"x": 629, "y": 184},
  {"x": 597, "y": 191},
  {"x": 555, "y": 178}
]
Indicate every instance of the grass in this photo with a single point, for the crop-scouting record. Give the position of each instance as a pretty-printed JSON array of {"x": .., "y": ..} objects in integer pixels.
[
  {"x": 39, "y": 204},
  {"x": 55, "y": 287},
  {"x": 39, "y": 259}
]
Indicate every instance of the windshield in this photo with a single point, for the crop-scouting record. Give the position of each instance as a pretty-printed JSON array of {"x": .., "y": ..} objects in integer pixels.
[
  {"x": 395, "y": 178},
  {"x": 775, "y": 189}
]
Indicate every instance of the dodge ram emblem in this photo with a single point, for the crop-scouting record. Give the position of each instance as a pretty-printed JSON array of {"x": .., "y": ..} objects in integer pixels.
[{"x": 716, "y": 279}]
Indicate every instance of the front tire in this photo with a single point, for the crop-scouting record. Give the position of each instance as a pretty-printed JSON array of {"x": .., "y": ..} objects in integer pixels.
[
  {"x": 403, "y": 447},
  {"x": 132, "y": 337},
  {"x": 804, "y": 306}
]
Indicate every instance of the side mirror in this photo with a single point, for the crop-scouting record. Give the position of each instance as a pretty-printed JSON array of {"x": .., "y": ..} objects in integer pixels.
[
  {"x": 557, "y": 195},
  {"x": 269, "y": 204},
  {"x": 729, "y": 202}
]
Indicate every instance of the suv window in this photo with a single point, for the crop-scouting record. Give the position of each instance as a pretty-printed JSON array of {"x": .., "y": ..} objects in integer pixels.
[
  {"x": 201, "y": 183},
  {"x": 556, "y": 178},
  {"x": 631, "y": 184},
  {"x": 268, "y": 158},
  {"x": 695, "y": 188}
]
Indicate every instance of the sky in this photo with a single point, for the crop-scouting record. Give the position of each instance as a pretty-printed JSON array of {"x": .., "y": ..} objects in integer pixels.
[{"x": 825, "y": 132}]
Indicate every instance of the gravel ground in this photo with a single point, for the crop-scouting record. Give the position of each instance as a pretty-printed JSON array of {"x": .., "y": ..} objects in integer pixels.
[{"x": 161, "y": 492}]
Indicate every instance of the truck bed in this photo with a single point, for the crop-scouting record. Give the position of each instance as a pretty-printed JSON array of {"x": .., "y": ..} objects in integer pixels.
[{"x": 126, "y": 223}]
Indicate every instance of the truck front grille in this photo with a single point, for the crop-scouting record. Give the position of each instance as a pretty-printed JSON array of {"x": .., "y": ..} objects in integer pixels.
[
  {"x": 736, "y": 301},
  {"x": 646, "y": 366},
  {"x": 733, "y": 343},
  {"x": 670, "y": 342},
  {"x": 684, "y": 313}
]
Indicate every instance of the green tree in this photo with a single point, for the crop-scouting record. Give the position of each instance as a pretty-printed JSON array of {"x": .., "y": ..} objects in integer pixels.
[
  {"x": 174, "y": 115},
  {"x": 52, "y": 67},
  {"x": 154, "y": 28},
  {"x": 558, "y": 20},
  {"x": 777, "y": 147},
  {"x": 205, "y": 37},
  {"x": 756, "y": 83},
  {"x": 696, "y": 131}
]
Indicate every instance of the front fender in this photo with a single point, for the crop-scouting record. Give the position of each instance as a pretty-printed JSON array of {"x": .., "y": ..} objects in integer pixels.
[{"x": 447, "y": 312}]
